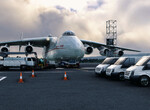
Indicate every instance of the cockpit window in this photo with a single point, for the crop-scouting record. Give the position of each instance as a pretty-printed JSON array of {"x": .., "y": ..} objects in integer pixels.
[
  {"x": 49, "y": 35},
  {"x": 68, "y": 33}
]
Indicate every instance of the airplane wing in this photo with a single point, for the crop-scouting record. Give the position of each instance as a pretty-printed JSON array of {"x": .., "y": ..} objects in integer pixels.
[
  {"x": 97, "y": 45},
  {"x": 37, "y": 42}
]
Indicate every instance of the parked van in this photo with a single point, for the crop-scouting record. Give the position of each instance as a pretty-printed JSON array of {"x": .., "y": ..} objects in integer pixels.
[
  {"x": 119, "y": 67},
  {"x": 21, "y": 62},
  {"x": 140, "y": 72},
  {"x": 101, "y": 68}
]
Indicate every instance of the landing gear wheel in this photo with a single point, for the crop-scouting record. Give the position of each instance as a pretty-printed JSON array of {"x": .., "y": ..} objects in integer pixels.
[
  {"x": 144, "y": 81},
  {"x": 121, "y": 76}
]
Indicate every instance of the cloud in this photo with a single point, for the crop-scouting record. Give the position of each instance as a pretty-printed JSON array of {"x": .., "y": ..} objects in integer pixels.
[
  {"x": 93, "y": 5},
  {"x": 35, "y": 19},
  {"x": 60, "y": 7}
]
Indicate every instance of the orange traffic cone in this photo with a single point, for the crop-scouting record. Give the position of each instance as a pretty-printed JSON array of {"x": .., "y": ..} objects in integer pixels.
[
  {"x": 33, "y": 74},
  {"x": 20, "y": 80},
  {"x": 65, "y": 76}
]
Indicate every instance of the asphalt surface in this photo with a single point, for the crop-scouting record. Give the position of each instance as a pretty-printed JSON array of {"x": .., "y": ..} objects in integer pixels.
[{"x": 83, "y": 91}]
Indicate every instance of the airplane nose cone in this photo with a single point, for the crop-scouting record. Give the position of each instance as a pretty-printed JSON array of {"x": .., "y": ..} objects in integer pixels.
[
  {"x": 71, "y": 51},
  {"x": 69, "y": 48},
  {"x": 74, "y": 52},
  {"x": 77, "y": 49}
]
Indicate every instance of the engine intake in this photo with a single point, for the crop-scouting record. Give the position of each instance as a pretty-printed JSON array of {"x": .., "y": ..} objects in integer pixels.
[
  {"x": 104, "y": 52},
  {"x": 29, "y": 49},
  {"x": 88, "y": 50},
  {"x": 119, "y": 53},
  {"x": 4, "y": 49}
]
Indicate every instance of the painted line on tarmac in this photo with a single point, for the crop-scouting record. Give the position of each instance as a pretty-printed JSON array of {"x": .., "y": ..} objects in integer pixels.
[
  {"x": 9, "y": 72},
  {"x": 2, "y": 78},
  {"x": 59, "y": 68}
]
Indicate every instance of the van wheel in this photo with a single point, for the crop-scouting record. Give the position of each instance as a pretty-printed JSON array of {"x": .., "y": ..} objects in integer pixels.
[
  {"x": 23, "y": 67},
  {"x": 1, "y": 67},
  {"x": 121, "y": 76},
  {"x": 6, "y": 68},
  {"x": 144, "y": 81},
  {"x": 78, "y": 65}
]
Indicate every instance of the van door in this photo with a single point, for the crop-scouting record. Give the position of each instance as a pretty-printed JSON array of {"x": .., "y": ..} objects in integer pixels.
[{"x": 29, "y": 62}]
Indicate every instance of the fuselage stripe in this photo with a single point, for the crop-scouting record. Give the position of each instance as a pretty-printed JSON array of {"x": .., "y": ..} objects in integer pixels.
[{"x": 55, "y": 49}]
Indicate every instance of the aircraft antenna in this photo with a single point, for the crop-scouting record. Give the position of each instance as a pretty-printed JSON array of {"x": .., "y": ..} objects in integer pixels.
[{"x": 21, "y": 36}]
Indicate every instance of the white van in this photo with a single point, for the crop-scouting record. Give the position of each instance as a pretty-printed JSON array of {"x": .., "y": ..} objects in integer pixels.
[
  {"x": 22, "y": 63},
  {"x": 140, "y": 72},
  {"x": 119, "y": 67},
  {"x": 101, "y": 68}
]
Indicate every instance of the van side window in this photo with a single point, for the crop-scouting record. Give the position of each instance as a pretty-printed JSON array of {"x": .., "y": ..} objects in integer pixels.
[
  {"x": 147, "y": 66},
  {"x": 132, "y": 61}
]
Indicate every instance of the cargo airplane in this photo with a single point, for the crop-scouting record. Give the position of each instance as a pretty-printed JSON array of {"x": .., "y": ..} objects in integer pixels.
[{"x": 68, "y": 47}]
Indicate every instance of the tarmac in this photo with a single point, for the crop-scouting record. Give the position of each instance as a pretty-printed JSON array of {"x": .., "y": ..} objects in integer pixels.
[{"x": 83, "y": 91}]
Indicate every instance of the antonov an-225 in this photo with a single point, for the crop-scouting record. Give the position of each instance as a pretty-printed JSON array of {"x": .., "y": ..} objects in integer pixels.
[{"x": 68, "y": 47}]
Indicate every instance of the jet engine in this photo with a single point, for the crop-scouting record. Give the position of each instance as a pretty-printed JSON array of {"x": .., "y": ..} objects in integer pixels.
[
  {"x": 88, "y": 50},
  {"x": 104, "y": 51},
  {"x": 4, "y": 49},
  {"x": 118, "y": 53},
  {"x": 29, "y": 49}
]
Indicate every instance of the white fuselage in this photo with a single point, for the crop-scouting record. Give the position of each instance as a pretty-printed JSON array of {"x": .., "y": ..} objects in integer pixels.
[{"x": 65, "y": 48}]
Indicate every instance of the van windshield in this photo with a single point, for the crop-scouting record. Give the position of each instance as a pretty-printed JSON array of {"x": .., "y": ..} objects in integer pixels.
[
  {"x": 29, "y": 59},
  {"x": 109, "y": 61},
  {"x": 120, "y": 61},
  {"x": 34, "y": 59},
  {"x": 142, "y": 61}
]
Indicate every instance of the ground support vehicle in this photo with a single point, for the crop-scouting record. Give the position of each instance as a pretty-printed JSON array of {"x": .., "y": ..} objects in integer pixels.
[
  {"x": 140, "y": 72},
  {"x": 18, "y": 62},
  {"x": 101, "y": 68},
  {"x": 119, "y": 67}
]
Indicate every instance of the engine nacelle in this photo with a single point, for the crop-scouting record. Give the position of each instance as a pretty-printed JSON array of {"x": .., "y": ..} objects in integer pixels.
[
  {"x": 29, "y": 49},
  {"x": 104, "y": 51},
  {"x": 88, "y": 50},
  {"x": 4, "y": 49},
  {"x": 118, "y": 53}
]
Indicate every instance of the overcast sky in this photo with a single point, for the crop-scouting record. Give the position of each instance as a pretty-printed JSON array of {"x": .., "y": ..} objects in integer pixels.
[{"x": 86, "y": 18}]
